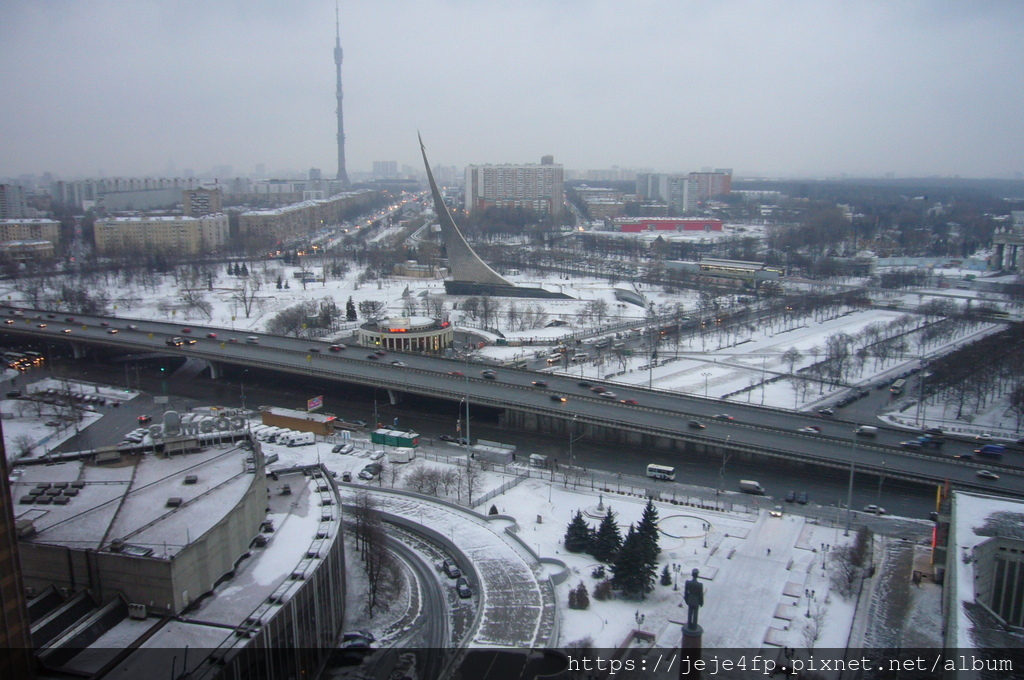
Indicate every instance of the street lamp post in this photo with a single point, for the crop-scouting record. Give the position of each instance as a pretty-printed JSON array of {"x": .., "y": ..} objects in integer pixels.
[
  {"x": 725, "y": 459},
  {"x": 849, "y": 490},
  {"x": 572, "y": 432},
  {"x": 706, "y": 375}
]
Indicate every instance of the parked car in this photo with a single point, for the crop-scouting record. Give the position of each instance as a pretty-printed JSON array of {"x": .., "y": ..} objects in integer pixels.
[
  {"x": 462, "y": 588},
  {"x": 451, "y": 569},
  {"x": 801, "y": 498},
  {"x": 791, "y": 496},
  {"x": 346, "y": 476},
  {"x": 363, "y": 474},
  {"x": 876, "y": 509},
  {"x": 776, "y": 511},
  {"x": 377, "y": 455}
]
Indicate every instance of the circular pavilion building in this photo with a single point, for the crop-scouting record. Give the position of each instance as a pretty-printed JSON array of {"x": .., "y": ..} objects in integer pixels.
[{"x": 408, "y": 334}]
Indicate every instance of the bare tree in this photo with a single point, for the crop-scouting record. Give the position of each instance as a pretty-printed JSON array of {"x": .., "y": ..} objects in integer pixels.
[
  {"x": 815, "y": 625},
  {"x": 383, "y": 576},
  {"x": 246, "y": 291},
  {"x": 471, "y": 480},
  {"x": 792, "y": 357},
  {"x": 23, "y": 446}
]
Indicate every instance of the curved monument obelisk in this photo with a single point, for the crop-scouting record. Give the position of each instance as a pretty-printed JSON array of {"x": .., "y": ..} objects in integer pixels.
[
  {"x": 465, "y": 264},
  {"x": 470, "y": 274}
]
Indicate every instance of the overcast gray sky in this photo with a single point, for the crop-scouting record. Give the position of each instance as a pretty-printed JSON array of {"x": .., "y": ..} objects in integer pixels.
[{"x": 774, "y": 88}]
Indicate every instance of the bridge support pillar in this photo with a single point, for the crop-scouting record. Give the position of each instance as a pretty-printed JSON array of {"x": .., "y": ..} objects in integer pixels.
[
  {"x": 78, "y": 350},
  {"x": 394, "y": 396},
  {"x": 216, "y": 370}
]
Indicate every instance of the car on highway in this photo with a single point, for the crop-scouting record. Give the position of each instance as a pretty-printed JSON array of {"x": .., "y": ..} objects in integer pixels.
[
  {"x": 69, "y": 319},
  {"x": 964, "y": 456},
  {"x": 131, "y": 327},
  {"x": 490, "y": 375},
  {"x": 232, "y": 341},
  {"x": 988, "y": 474},
  {"x": 43, "y": 325},
  {"x": 539, "y": 383},
  {"x": 447, "y": 438},
  {"x": 8, "y": 320},
  {"x": 380, "y": 352},
  {"x": 143, "y": 419},
  {"x": 336, "y": 348},
  {"x": 724, "y": 416},
  {"x": 104, "y": 323},
  {"x": 874, "y": 509},
  {"x": 696, "y": 425},
  {"x": 911, "y": 444},
  {"x": 66, "y": 330},
  {"x": 984, "y": 437},
  {"x": 598, "y": 389},
  {"x": 186, "y": 330},
  {"x": 776, "y": 511},
  {"x": 112, "y": 331},
  {"x": 373, "y": 357},
  {"x": 631, "y": 402},
  {"x": 396, "y": 362},
  {"x": 809, "y": 429},
  {"x": 607, "y": 395},
  {"x": 558, "y": 398},
  {"x": 583, "y": 383},
  {"x": 314, "y": 350},
  {"x": 457, "y": 374},
  {"x": 211, "y": 335},
  {"x": 175, "y": 342}
]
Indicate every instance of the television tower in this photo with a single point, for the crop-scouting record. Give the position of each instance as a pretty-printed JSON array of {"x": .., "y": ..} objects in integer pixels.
[{"x": 342, "y": 175}]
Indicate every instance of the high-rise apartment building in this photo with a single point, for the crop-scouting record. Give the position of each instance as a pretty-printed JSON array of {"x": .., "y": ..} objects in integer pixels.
[
  {"x": 682, "y": 192},
  {"x": 202, "y": 201},
  {"x": 385, "y": 169},
  {"x": 531, "y": 187},
  {"x": 15, "y": 639},
  {"x": 12, "y": 202}
]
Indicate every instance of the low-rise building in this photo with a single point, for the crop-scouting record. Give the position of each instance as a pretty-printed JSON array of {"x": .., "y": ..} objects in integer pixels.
[{"x": 178, "y": 233}]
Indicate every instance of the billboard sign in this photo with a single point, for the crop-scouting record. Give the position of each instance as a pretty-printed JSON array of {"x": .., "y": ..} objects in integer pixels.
[{"x": 315, "y": 403}]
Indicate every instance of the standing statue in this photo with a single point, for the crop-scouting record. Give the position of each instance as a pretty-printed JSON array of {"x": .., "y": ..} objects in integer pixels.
[{"x": 693, "y": 596}]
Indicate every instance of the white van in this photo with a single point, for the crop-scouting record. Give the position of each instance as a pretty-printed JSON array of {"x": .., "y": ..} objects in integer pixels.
[
  {"x": 866, "y": 431},
  {"x": 252, "y": 340},
  {"x": 401, "y": 454},
  {"x": 302, "y": 439},
  {"x": 580, "y": 358}
]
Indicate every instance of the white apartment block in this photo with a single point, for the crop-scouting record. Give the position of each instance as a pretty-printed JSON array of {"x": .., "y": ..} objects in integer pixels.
[
  {"x": 533, "y": 187},
  {"x": 185, "y": 235}
]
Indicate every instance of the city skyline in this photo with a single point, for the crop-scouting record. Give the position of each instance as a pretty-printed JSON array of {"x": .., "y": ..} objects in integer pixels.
[{"x": 794, "y": 89}]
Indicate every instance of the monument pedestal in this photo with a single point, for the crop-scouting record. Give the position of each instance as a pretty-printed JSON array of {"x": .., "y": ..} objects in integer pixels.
[{"x": 690, "y": 653}]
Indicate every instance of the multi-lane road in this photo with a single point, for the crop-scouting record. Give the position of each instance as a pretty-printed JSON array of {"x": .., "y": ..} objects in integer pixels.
[{"x": 671, "y": 416}]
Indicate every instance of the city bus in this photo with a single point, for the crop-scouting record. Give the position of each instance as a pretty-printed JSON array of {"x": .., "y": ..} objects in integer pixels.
[
  {"x": 897, "y": 387},
  {"x": 661, "y": 472}
]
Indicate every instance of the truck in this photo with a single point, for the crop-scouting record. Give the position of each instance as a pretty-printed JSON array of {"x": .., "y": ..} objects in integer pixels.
[
  {"x": 866, "y": 431},
  {"x": 991, "y": 451},
  {"x": 402, "y": 454},
  {"x": 750, "y": 486},
  {"x": 302, "y": 439}
]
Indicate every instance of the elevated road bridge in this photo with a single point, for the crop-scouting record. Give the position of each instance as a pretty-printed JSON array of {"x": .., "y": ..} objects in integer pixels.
[{"x": 636, "y": 417}]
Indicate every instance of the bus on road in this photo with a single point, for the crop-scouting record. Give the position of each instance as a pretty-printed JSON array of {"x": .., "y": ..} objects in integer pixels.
[
  {"x": 897, "y": 387},
  {"x": 661, "y": 472}
]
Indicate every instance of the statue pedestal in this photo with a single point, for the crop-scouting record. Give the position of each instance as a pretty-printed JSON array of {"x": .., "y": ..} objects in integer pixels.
[{"x": 690, "y": 653}]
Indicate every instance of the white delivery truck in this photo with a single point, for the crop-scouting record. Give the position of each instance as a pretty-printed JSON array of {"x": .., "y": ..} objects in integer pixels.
[
  {"x": 402, "y": 454},
  {"x": 750, "y": 486},
  {"x": 302, "y": 439}
]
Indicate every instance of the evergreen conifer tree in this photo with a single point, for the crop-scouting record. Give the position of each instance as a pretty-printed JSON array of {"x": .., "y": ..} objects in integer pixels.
[
  {"x": 350, "y": 310},
  {"x": 607, "y": 541},
  {"x": 582, "y": 597},
  {"x": 633, "y": 576},
  {"x": 666, "y": 576},
  {"x": 578, "y": 536},
  {"x": 647, "y": 528}
]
